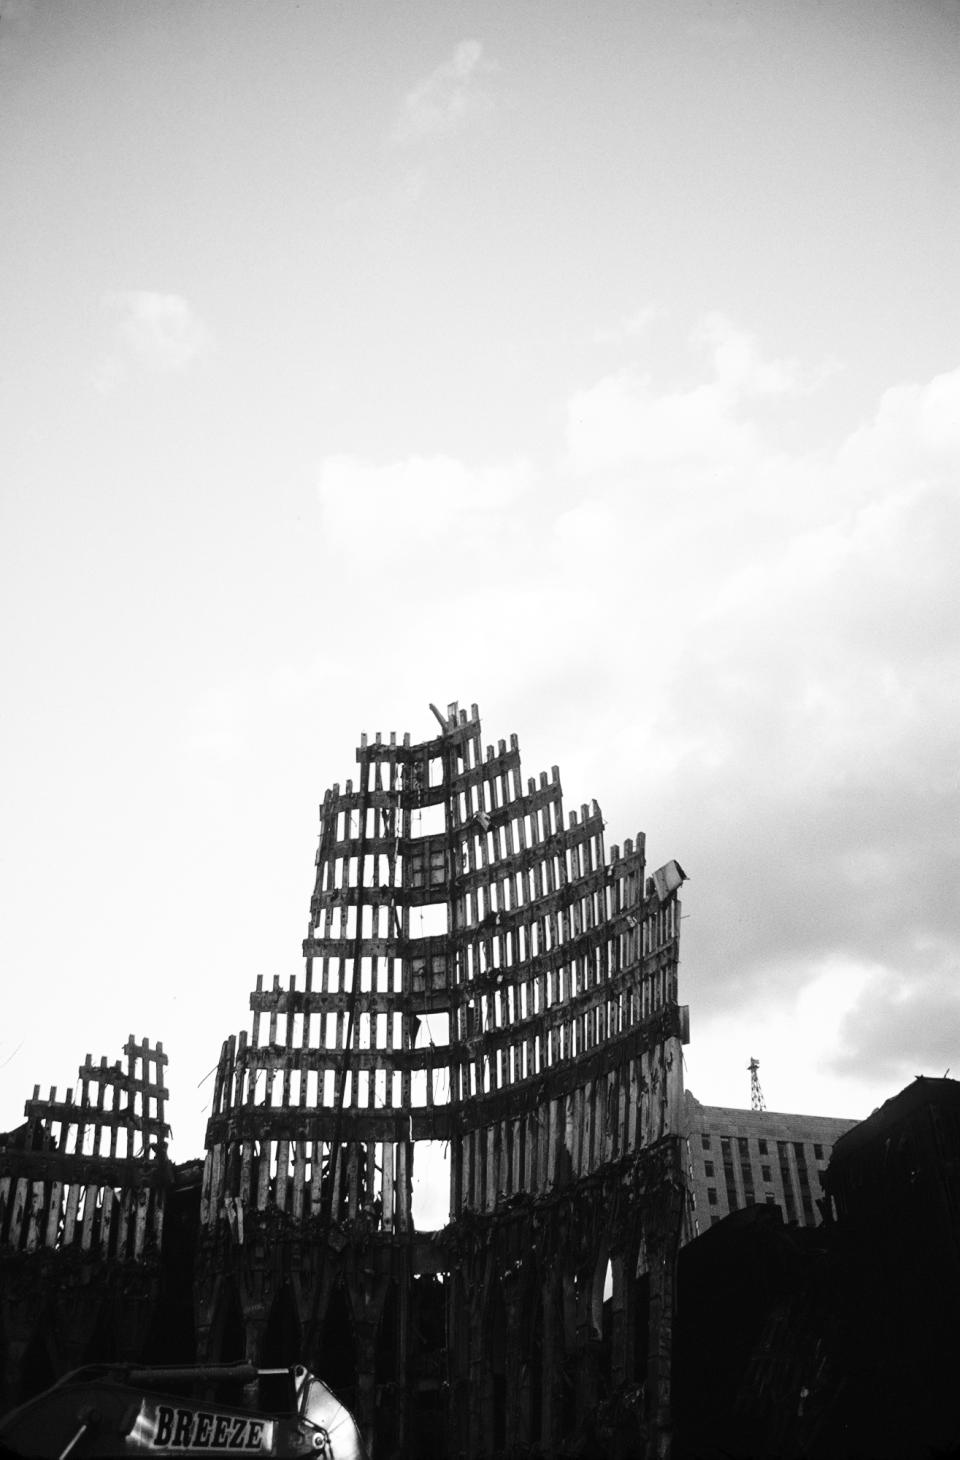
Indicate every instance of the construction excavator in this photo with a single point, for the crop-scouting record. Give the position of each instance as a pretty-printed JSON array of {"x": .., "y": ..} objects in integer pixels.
[{"x": 113, "y": 1410}]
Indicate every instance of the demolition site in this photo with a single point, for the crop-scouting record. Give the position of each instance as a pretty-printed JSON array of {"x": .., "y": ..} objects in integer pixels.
[{"x": 624, "y": 1272}]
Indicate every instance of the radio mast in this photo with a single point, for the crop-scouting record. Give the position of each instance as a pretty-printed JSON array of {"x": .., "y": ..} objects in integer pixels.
[{"x": 756, "y": 1094}]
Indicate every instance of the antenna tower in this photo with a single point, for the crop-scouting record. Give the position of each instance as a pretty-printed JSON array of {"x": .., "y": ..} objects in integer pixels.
[{"x": 756, "y": 1094}]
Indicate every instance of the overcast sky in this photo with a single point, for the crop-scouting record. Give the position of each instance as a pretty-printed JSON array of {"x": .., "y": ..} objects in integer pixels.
[{"x": 598, "y": 364}]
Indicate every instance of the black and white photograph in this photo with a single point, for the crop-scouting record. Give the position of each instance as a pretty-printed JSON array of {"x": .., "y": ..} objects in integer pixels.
[{"x": 480, "y": 728}]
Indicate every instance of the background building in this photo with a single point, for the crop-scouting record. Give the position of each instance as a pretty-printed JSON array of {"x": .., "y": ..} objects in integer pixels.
[{"x": 737, "y": 1158}]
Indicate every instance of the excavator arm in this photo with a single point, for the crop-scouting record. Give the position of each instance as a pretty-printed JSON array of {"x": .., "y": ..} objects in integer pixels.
[{"x": 123, "y": 1411}]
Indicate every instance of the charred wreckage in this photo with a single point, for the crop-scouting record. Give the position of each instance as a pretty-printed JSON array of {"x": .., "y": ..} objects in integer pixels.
[
  {"x": 482, "y": 981},
  {"x": 485, "y": 990}
]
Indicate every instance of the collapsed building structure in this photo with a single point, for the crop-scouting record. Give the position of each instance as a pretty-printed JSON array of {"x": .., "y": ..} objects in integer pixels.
[
  {"x": 83, "y": 1189},
  {"x": 478, "y": 974},
  {"x": 480, "y": 978},
  {"x": 483, "y": 982}
]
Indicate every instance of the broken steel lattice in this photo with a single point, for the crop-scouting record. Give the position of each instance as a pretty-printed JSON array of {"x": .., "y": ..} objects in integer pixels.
[
  {"x": 477, "y": 973},
  {"x": 89, "y": 1173},
  {"x": 83, "y": 1188}
]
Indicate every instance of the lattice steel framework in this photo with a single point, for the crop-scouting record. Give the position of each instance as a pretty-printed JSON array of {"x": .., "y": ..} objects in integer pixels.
[
  {"x": 478, "y": 973},
  {"x": 83, "y": 1190},
  {"x": 89, "y": 1172}
]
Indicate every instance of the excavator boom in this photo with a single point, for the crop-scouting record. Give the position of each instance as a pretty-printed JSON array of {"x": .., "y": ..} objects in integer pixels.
[{"x": 124, "y": 1411}]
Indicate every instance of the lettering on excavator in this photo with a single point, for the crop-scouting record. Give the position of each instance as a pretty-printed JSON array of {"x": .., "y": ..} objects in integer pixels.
[{"x": 173, "y": 1429}]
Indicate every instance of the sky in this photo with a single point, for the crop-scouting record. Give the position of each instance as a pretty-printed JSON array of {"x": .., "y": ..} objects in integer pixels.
[{"x": 599, "y": 365}]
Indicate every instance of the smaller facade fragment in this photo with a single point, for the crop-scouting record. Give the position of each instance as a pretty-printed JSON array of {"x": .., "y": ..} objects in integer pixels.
[{"x": 82, "y": 1190}]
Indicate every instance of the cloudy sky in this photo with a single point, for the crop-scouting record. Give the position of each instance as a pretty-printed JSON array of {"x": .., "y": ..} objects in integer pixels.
[{"x": 598, "y": 364}]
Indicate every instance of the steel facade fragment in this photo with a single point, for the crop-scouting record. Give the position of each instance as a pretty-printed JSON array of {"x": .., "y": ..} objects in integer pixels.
[
  {"x": 83, "y": 1189},
  {"x": 477, "y": 972}
]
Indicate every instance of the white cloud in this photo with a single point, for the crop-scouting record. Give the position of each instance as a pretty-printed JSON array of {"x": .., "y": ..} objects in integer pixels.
[
  {"x": 445, "y": 100},
  {"x": 623, "y": 421},
  {"x": 801, "y": 1041},
  {"x": 587, "y": 528},
  {"x": 814, "y": 711},
  {"x": 752, "y": 651},
  {"x": 797, "y": 635},
  {"x": 631, "y": 326},
  {"x": 907, "y": 1020},
  {"x": 413, "y": 507},
  {"x": 740, "y": 369},
  {"x": 916, "y": 428},
  {"x": 157, "y": 332}
]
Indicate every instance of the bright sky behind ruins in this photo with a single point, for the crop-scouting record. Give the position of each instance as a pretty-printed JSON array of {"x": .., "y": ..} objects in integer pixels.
[{"x": 598, "y": 364}]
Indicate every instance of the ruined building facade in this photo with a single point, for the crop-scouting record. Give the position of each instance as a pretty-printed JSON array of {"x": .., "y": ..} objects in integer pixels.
[
  {"x": 485, "y": 991},
  {"x": 84, "y": 1183},
  {"x": 483, "y": 981}
]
